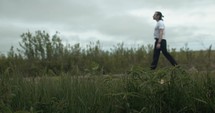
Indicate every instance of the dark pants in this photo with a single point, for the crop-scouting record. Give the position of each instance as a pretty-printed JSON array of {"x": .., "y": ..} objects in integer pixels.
[{"x": 165, "y": 53}]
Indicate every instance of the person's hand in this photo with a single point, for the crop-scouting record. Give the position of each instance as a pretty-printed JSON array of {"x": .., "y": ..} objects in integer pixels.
[{"x": 158, "y": 45}]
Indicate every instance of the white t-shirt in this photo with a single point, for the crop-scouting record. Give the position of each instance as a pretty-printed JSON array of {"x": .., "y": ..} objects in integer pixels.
[{"x": 159, "y": 25}]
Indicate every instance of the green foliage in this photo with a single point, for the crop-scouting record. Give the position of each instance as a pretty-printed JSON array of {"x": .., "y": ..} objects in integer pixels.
[
  {"x": 150, "y": 94},
  {"x": 46, "y": 76},
  {"x": 42, "y": 54},
  {"x": 168, "y": 90}
]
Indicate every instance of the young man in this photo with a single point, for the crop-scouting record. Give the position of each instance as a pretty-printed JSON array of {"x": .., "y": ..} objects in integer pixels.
[{"x": 160, "y": 42}]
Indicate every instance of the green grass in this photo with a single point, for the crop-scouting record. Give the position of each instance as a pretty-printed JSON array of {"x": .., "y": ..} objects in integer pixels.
[
  {"x": 51, "y": 77},
  {"x": 139, "y": 91}
]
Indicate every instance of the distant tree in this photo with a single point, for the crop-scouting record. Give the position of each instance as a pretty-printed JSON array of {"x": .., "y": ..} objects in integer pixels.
[{"x": 40, "y": 46}]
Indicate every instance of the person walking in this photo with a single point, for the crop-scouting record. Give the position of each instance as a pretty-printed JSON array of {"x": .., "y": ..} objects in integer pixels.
[{"x": 160, "y": 42}]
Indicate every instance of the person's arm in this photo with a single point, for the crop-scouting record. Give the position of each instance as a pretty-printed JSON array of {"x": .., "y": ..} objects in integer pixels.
[
  {"x": 160, "y": 35},
  {"x": 160, "y": 38}
]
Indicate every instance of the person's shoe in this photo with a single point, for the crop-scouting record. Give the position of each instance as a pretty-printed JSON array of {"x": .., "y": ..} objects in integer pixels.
[
  {"x": 153, "y": 67},
  {"x": 177, "y": 66}
]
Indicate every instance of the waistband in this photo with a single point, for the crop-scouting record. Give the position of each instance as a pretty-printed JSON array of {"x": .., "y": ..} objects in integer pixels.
[{"x": 157, "y": 39}]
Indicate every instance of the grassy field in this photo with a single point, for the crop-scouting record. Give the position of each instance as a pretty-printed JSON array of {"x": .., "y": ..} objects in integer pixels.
[
  {"x": 46, "y": 76},
  {"x": 168, "y": 90}
]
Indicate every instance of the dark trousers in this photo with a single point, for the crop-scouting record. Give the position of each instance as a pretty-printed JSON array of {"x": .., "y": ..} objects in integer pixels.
[{"x": 165, "y": 53}]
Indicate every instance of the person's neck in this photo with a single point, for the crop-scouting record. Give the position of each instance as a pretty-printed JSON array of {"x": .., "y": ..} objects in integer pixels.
[{"x": 157, "y": 20}]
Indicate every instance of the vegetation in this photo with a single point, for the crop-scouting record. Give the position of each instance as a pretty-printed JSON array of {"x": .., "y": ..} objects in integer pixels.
[{"x": 46, "y": 76}]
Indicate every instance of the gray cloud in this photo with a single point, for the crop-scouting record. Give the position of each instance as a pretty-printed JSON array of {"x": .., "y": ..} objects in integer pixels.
[
  {"x": 123, "y": 25},
  {"x": 54, "y": 12},
  {"x": 102, "y": 19}
]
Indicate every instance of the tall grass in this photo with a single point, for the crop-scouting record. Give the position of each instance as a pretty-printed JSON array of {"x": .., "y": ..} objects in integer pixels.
[
  {"x": 52, "y": 78},
  {"x": 41, "y": 54},
  {"x": 169, "y": 90}
]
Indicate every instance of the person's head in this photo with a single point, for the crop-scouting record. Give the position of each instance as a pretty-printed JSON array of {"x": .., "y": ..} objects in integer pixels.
[{"x": 158, "y": 16}]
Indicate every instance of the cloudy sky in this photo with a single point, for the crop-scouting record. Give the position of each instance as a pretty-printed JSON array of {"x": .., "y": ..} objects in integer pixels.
[{"x": 190, "y": 22}]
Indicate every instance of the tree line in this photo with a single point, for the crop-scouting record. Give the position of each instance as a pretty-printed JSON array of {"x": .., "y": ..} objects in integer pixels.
[{"x": 40, "y": 54}]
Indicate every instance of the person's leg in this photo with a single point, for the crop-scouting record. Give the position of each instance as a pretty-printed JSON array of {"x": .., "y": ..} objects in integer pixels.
[
  {"x": 156, "y": 55},
  {"x": 166, "y": 54}
]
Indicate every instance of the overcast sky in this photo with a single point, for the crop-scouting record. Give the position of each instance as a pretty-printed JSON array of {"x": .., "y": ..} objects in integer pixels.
[{"x": 189, "y": 22}]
